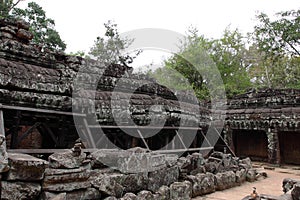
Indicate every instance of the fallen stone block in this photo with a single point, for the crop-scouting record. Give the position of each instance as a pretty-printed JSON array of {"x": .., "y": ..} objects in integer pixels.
[
  {"x": 145, "y": 195},
  {"x": 251, "y": 175},
  {"x": 225, "y": 180},
  {"x": 202, "y": 184},
  {"x": 60, "y": 196},
  {"x": 134, "y": 182},
  {"x": 129, "y": 162},
  {"x": 66, "y": 176},
  {"x": 240, "y": 176},
  {"x": 89, "y": 193},
  {"x": 66, "y": 180},
  {"x": 181, "y": 190},
  {"x": 19, "y": 190},
  {"x": 129, "y": 196},
  {"x": 66, "y": 160},
  {"x": 163, "y": 193},
  {"x": 66, "y": 187},
  {"x": 25, "y": 167},
  {"x": 245, "y": 163},
  {"x": 165, "y": 176},
  {"x": 109, "y": 184}
]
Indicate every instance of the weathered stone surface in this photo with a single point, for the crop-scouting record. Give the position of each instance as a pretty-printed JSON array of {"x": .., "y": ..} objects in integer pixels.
[
  {"x": 192, "y": 164},
  {"x": 251, "y": 175},
  {"x": 19, "y": 190},
  {"x": 24, "y": 35},
  {"x": 66, "y": 187},
  {"x": 181, "y": 190},
  {"x": 109, "y": 184},
  {"x": 211, "y": 167},
  {"x": 86, "y": 194},
  {"x": 60, "y": 196},
  {"x": 53, "y": 176},
  {"x": 129, "y": 196},
  {"x": 130, "y": 182},
  {"x": 225, "y": 180},
  {"x": 128, "y": 161},
  {"x": 171, "y": 159},
  {"x": 163, "y": 192},
  {"x": 60, "y": 180},
  {"x": 66, "y": 160},
  {"x": 288, "y": 184},
  {"x": 4, "y": 167},
  {"x": 145, "y": 195},
  {"x": 25, "y": 167},
  {"x": 162, "y": 177},
  {"x": 296, "y": 192},
  {"x": 202, "y": 184},
  {"x": 240, "y": 176},
  {"x": 134, "y": 182},
  {"x": 111, "y": 198},
  {"x": 245, "y": 163}
]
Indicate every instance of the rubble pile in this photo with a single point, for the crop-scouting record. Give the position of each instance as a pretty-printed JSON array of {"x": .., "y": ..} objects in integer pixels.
[
  {"x": 34, "y": 77},
  {"x": 122, "y": 175}
]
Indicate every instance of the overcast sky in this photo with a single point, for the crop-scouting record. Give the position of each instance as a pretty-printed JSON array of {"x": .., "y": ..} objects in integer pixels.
[{"x": 80, "y": 22}]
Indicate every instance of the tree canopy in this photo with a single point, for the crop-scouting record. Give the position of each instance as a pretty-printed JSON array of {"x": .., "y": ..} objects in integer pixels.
[
  {"x": 109, "y": 49},
  {"x": 41, "y": 26},
  {"x": 267, "y": 57}
]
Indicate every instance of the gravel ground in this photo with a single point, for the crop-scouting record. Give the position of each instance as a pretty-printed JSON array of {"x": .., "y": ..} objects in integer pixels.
[{"x": 271, "y": 185}]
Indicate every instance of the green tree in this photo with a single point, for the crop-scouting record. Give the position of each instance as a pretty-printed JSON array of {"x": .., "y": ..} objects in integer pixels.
[
  {"x": 225, "y": 53},
  {"x": 6, "y": 6},
  {"x": 109, "y": 48},
  {"x": 41, "y": 26},
  {"x": 277, "y": 45}
]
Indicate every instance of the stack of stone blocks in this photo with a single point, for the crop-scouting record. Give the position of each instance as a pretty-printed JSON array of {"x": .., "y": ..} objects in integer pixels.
[{"x": 122, "y": 175}]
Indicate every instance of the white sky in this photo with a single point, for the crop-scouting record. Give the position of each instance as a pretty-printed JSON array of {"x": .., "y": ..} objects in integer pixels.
[{"x": 80, "y": 22}]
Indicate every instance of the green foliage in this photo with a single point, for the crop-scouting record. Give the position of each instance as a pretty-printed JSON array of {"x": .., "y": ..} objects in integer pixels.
[
  {"x": 109, "y": 48},
  {"x": 200, "y": 59},
  {"x": 277, "y": 44},
  {"x": 6, "y": 6},
  {"x": 42, "y": 27},
  {"x": 280, "y": 36}
]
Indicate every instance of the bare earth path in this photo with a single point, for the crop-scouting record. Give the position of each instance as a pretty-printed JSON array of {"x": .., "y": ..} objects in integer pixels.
[{"x": 271, "y": 185}]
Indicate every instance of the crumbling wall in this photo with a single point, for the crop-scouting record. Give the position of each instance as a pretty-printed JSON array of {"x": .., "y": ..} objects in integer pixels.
[{"x": 34, "y": 77}]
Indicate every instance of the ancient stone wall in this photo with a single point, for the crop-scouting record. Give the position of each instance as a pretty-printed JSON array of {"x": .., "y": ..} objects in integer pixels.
[
  {"x": 274, "y": 111},
  {"x": 31, "y": 76}
]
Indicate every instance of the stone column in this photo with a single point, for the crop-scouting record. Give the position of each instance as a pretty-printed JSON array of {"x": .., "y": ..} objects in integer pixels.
[
  {"x": 228, "y": 137},
  {"x": 3, "y": 153},
  {"x": 273, "y": 146}
]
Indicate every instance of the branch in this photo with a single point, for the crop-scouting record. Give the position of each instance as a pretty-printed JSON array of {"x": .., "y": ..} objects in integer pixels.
[
  {"x": 14, "y": 5},
  {"x": 297, "y": 52}
]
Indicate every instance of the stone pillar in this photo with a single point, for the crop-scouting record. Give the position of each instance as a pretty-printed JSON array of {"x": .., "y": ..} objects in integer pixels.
[
  {"x": 3, "y": 154},
  {"x": 228, "y": 138},
  {"x": 273, "y": 146}
]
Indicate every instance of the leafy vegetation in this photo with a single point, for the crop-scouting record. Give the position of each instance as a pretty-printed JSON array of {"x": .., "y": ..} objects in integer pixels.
[
  {"x": 109, "y": 49},
  {"x": 41, "y": 26},
  {"x": 267, "y": 57}
]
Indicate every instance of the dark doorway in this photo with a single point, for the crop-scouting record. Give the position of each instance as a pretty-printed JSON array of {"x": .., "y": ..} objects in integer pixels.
[
  {"x": 251, "y": 143},
  {"x": 289, "y": 147}
]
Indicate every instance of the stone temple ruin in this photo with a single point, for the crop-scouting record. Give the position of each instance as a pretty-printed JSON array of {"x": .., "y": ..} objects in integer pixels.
[
  {"x": 265, "y": 125},
  {"x": 48, "y": 100}
]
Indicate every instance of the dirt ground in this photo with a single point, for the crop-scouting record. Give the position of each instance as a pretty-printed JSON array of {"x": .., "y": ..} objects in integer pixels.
[{"x": 271, "y": 185}]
